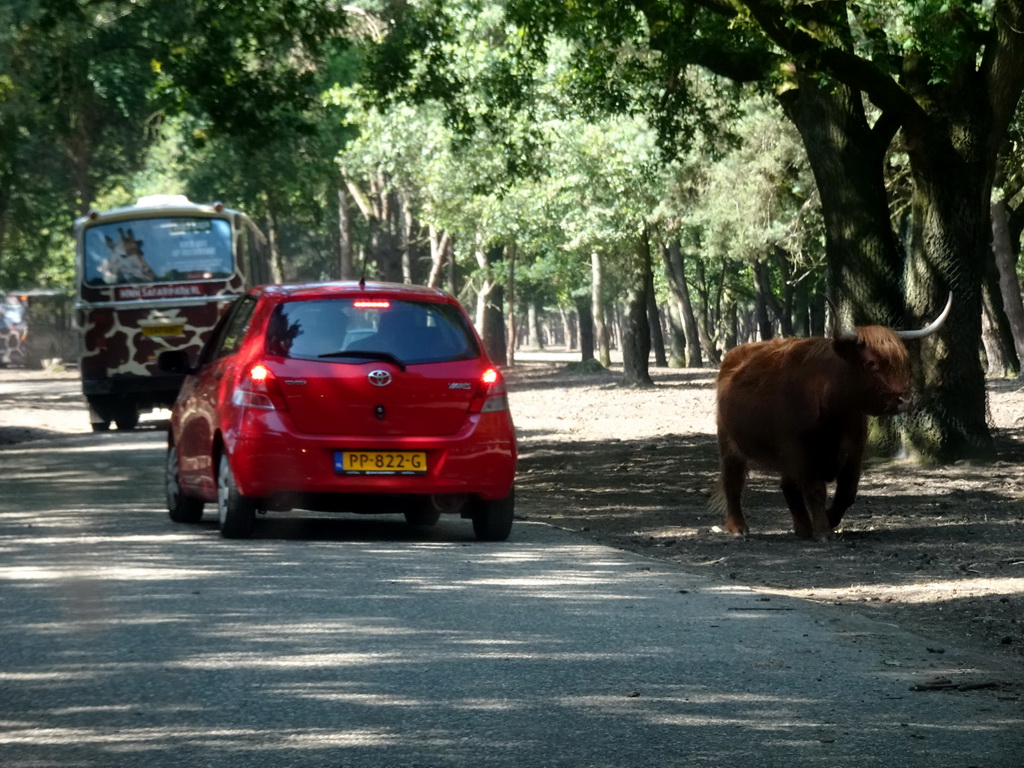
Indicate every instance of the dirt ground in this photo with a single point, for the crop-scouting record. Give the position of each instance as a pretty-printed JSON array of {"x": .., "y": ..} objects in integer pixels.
[{"x": 940, "y": 551}]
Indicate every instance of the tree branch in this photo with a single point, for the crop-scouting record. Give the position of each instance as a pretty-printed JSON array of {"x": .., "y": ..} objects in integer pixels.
[{"x": 1002, "y": 66}]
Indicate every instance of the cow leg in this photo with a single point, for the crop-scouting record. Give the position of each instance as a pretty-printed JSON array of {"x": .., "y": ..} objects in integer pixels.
[
  {"x": 815, "y": 496},
  {"x": 846, "y": 493},
  {"x": 797, "y": 508},
  {"x": 734, "y": 477}
]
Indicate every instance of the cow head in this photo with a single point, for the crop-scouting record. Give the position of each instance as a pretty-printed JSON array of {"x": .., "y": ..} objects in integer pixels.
[{"x": 880, "y": 364}]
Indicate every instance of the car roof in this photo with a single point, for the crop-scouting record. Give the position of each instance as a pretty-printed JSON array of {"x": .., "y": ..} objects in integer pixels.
[{"x": 353, "y": 288}]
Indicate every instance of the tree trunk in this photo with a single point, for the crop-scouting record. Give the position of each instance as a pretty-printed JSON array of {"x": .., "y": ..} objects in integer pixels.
[
  {"x": 346, "y": 269},
  {"x": 536, "y": 333},
  {"x": 494, "y": 327},
  {"x": 79, "y": 150},
  {"x": 951, "y": 243},
  {"x": 1005, "y": 255},
  {"x": 816, "y": 312},
  {"x": 385, "y": 228},
  {"x": 676, "y": 334},
  {"x": 452, "y": 284},
  {"x": 764, "y": 300},
  {"x": 490, "y": 317},
  {"x": 730, "y": 321},
  {"x": 511, "y": 343},
  {"x": 704, "y": 323},
  {"x": 693, "y": 345},
  {"x": 276, "y": 265},
  {"x": 865, "y": 260},
  {"x": 408, "y": 225},
  {"x": 440, "y": 243},
  {"x": 672, "y": 261},
  {"x": 675, "y": 271},
  {"x": 802, "y": 309},
  {"x": 784, "y": 304},
  {"x": 604, "y": 354},
  {"x": 586, "y": 325},
  {"x": 636, "y": 331},
  {"x": 6, "y": 184},
  {"x": 654, "y": 317},
  {"x": 1000, "y": 357},
  {"x": 486, "y": 285},
  {"x": 569, "y": 340},
  {"x": 992, "y": 301}
]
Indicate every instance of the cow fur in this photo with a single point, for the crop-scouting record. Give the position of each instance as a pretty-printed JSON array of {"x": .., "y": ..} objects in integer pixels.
[{"x": 799, "y": 407}]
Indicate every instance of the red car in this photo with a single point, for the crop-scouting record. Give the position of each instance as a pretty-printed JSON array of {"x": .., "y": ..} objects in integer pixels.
[{"x": 371, "y": 398}]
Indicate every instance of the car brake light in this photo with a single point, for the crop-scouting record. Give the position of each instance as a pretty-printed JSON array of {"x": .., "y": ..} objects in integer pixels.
[
  {"x": 258, "y": 388},
  {"x": 491, "y": 394},
  {"x": 372, "y": 304}
]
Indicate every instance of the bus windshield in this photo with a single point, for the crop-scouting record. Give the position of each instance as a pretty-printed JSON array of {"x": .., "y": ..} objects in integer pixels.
[{"x": 157, "y": 250}]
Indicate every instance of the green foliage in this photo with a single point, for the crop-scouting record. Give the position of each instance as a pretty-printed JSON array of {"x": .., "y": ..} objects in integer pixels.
[
  {"x": 101, "y": 102},
  {"x": 760, "y": 196}
]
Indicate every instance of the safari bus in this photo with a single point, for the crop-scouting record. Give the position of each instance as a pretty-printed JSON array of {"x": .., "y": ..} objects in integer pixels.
[{"x": 151, "y": 277}]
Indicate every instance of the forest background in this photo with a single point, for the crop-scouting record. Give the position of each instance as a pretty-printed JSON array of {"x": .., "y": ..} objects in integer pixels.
[{"x": 665, "y": 177}]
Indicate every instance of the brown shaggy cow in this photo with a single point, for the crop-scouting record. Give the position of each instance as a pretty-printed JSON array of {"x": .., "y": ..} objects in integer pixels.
[{"x": 800, "y": 407}]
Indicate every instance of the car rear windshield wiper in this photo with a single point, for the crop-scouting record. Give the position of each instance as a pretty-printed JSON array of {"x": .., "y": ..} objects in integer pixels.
[{"x": 364, "y": 355}]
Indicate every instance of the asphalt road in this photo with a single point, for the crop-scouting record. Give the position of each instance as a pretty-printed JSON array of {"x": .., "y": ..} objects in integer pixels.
[{"x": 127, "y": 640}]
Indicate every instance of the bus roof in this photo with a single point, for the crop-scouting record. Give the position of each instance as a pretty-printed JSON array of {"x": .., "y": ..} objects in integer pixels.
[{"x": 155, "y": 204}]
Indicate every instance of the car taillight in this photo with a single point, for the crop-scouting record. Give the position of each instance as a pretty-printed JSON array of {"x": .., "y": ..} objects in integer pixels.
[
  {"x": 258, "y": 388},
  {"x": 491, "y": 394}
]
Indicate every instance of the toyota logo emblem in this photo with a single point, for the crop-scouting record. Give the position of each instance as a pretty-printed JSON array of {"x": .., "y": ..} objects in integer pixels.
[{"x": 379, "y": 378}]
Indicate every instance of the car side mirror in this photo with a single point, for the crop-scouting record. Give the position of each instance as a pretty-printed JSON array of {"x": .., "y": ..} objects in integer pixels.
[{"x": 174, "y": 361}]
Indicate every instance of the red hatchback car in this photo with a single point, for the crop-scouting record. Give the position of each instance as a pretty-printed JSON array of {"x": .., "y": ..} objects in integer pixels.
[{"x": 372, "y": 398}]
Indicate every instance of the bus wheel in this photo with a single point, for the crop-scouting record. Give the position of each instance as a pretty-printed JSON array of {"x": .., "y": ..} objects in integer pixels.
[
  {"x": 101, "y": 412},
  {"x": 127, "y": 419}
]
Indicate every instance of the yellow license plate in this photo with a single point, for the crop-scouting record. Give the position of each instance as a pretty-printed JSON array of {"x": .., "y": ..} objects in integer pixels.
[
  {"x": 381, "y": 462},
  {"x": 163, "y": 330}
]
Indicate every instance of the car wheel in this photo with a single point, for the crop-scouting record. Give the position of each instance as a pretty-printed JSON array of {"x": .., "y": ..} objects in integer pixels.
[
  {"x": 492, "y": 520},
  {"x": 424, "y": 513},
  {"x": 237, "y": 513},
  {"x": 181, "y": 508},
  {"x": 101, "y": 426}
]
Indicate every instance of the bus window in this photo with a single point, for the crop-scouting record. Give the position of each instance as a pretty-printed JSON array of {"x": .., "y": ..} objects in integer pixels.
[{"x": 158, "y": 250}]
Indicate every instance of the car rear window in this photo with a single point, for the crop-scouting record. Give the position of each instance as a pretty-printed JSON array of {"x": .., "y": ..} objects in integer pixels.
[{"x": 339, "y": 329}]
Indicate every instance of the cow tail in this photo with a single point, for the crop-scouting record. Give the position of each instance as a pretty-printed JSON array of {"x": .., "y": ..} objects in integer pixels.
[{"x": 716, "y": 502}]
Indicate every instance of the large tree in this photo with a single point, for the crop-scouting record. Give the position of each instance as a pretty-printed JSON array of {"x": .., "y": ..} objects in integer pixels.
[
  {"x": 952, "y": 85},
  {"x": 946, "y": 76}
]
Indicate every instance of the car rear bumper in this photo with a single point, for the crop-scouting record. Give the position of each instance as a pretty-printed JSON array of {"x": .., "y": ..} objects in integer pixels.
[{"x": 479, "y": 461}]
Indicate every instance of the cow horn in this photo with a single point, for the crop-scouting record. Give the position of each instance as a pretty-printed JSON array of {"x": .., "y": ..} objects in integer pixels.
[
  {"x": 932, "y": 327},
  {"x": 835, "y": 330}
]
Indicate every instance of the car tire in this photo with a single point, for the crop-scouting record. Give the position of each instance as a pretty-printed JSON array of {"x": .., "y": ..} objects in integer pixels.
[
  {"x": 492, "y": 520},
  {"x": 423, "y": 514},
  {"x": 101, "y": 426},
  {"x": 181, "y": 508},
  {"x": 237, "y": 513}
]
